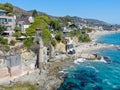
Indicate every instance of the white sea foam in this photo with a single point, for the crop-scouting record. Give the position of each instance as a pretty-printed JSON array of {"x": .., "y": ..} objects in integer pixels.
[
  {"x": 92, "y": 68},
  {"x": 101, "y": 60},
  {"x": 79, "y": 60},
  {"x": 107, "y": 81},
  {"x": 112, "y": 45},
  {"x": 62, "y": 72}
]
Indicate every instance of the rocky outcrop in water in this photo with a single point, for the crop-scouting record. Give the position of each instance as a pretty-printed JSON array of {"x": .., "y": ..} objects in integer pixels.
[{"x": 91, "y": 56}]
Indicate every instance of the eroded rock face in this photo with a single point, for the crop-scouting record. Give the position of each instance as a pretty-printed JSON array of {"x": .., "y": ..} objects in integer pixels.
[
  {"x": 88, "y": 56},
  {"x": 91, "y": 56},
  {"x": 97, "y": 56},
  {"x": 60, "y": 47}
]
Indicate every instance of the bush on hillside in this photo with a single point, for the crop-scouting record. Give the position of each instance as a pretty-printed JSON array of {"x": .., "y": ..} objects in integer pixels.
[
  {"x": 7, "y": 6},
  {"x": 4, "y": 44},
  {"x": 28, "y": 42},
  {"x": 12, "y": 42},
  {"x": 59, "y": 36},
  {"x": 54, "y": 42},
  {"x": 46, "y": 36}
]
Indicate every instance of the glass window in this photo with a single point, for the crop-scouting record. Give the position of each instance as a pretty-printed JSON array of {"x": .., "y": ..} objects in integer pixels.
[
  {"x": 9, "y": 20},
  {"x": 2, "y": 20}
]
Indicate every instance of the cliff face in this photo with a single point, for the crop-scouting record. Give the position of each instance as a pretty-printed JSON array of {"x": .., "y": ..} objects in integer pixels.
[
  {"x": 75, "y": 40},
  {"x": 60, "y": 47}
]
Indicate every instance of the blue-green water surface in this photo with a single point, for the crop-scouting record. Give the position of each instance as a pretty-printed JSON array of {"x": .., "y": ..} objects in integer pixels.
[{"x": 95, "y": 75}]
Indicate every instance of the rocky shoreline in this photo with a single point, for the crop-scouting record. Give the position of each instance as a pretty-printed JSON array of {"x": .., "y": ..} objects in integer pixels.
[{"x": 50, "y": 77}]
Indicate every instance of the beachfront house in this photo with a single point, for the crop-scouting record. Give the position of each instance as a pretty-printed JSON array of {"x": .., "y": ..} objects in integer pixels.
[
  {"x": 8, "y": 21},
  {"x": 70, "y": 46},
  {"x": 70, "y": 49}
]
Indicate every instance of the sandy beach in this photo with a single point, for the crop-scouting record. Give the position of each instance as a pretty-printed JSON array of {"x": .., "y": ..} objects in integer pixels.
[
  {"x": 96, "y": 34},
  {"x": 84, "y": 48}
]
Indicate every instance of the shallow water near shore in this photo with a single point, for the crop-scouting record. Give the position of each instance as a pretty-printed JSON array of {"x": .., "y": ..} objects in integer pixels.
[
  {"x": 110, "y": 39},
  {"x": 94, "y": 75}
]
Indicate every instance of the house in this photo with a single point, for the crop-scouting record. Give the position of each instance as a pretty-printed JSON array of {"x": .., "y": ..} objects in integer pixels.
[
  {"x": 8, "y": 21},
  {"x": 108, "y": 28},
  {"x": 81, "y": 25},
  {"x": 66, "y": 30},
  {"x": 70, "y": 49},
  {"x": 2, "y": 12},
  {"x": 70, "y": 46},
  {"x": 24, "y": 22}
]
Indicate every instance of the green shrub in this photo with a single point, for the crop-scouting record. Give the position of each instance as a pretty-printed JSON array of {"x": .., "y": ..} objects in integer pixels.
[
  {"x": 25, "y": 86},
  {"x": 55, "y": 24},
  {"x": 7, "y": 48},
  {"x": 7, "y": 6},
  {"x": 17, "y": 34},
  {"x": 84, "y": 38},
  {"x": 17, "y": 29},
  {"x": 28, "y": 42},
  {"x": 74, "y": 33},
  {"x": 54, "y": 42},
  {"x": 12, "y": 42},
  {"x": 4, "y": 44},
  {"x": 3, "y": 41},
  {"x": 2, "y": 28},
  {"x": 59, "y": 36},
  {"x": 46, "y": 36}
]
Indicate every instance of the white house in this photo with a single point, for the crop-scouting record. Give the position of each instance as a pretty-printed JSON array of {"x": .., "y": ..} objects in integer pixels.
[{"x": 24, "y": 22}]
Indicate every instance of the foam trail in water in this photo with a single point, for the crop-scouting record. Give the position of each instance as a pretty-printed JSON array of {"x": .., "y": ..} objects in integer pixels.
[
  {"x": 102, "y": 59},
  {"x": 93, "y": 68}
]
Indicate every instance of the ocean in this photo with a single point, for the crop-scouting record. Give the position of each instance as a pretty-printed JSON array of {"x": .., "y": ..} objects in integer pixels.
[{"x": 96, "y": 75}]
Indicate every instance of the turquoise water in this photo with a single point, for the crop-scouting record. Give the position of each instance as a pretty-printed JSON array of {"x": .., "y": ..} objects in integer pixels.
[
  {"x": 110, "y": 39},
  {"x": 95, "y": 75}
]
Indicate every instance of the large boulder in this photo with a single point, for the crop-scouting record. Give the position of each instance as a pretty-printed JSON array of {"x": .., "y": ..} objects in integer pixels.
[{"x": 88, "y": 56}]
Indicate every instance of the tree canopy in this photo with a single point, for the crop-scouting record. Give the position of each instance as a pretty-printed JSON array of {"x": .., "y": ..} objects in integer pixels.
[
  {"x": 46, "y": 36},
  {"x": 34, "y": 13},
  {"x": 55, "y": 24},
  {"x": 41, "y": 22},
  {"x": 7, "y": 6}
]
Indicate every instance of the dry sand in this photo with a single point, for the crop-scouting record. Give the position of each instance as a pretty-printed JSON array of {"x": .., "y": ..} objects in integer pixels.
[{"x": 83, "y": 48}]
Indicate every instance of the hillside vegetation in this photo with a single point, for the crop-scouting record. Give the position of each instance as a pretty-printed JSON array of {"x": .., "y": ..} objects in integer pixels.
[
  {"x": 7, "y": 6},
  {"x": 46, "y": 23}
]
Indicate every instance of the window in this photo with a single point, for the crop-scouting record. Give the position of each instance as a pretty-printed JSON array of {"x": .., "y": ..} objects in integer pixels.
[
  {"x": 9, "y": 20},
  {"x": 8, "y": 28},
  {"x": 2, "y": 20}
]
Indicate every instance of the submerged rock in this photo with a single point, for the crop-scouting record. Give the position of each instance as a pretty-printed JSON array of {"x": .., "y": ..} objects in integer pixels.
[
  {"x": 97, "y": 88},
  {"x": 71, "y": 85},
  {"x": 83, "y": 83}
]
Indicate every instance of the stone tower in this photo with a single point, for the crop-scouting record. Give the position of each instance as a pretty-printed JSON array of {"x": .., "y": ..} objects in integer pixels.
[{"x": 40, "y": 52}]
